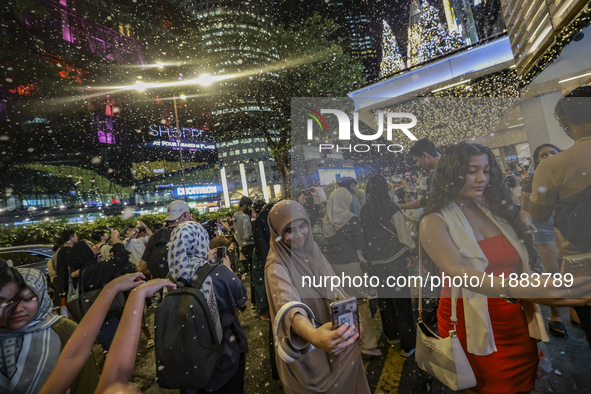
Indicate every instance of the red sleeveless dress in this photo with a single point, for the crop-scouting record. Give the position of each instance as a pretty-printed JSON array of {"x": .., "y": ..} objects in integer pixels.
[{"x": 513, "y": 367}]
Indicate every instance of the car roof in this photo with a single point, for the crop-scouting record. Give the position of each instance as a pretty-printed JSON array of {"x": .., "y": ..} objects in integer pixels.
[{"x": 47, "y": 249}]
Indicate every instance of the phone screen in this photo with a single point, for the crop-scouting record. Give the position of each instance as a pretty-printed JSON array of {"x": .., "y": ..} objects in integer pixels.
[{"x": 220, "y": 253}]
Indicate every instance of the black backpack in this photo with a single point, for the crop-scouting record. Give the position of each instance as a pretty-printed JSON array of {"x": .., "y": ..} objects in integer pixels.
[
  {"x": 158, "y": 260},
  {"x": 187, "y": 351},
  {"x": 572, "y": 216}
]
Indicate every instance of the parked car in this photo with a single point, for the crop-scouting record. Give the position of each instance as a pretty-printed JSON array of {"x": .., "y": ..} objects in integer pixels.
[{"x": 31, "y": 256}]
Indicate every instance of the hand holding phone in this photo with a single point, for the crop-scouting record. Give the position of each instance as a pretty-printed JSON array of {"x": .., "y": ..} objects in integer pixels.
[
  {"x": 220, "y": 254},
  {"x": 345, "y": 311}
]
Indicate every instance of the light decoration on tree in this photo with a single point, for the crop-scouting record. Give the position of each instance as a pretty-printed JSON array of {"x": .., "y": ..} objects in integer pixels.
[
  {"x": 392, "y": 60},
  {"x": 507, "y": 83},
  {"x": 483, "y": 101},
  {"x": 429, "y": 37}
]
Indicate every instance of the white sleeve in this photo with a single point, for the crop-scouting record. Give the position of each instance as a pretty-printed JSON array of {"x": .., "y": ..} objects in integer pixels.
[{"x": 403, "y": 230}]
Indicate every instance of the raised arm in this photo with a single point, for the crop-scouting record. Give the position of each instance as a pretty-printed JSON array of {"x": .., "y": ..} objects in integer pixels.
[
  {"x": 301, "y": 330},
  {"x": 76, "y": 352},
  {"x": 416, "y": 204},
  {"x": 438, "y": 244},
  {"x": 120, "y": 360}
]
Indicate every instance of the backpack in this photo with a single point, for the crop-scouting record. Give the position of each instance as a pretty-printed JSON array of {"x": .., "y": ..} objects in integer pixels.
[
  {"x": 187, "y": 351},
  {"x": 573, "y": 218},
  {"x": 158, "y": 260}
]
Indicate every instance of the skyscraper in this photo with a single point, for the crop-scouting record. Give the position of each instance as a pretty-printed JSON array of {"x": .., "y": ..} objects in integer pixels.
[
  {"x": 354, "y": 18},
  {"x": 231, "y": 40}
]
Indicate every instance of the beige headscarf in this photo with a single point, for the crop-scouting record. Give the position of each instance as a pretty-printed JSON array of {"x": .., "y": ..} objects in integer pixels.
[
  {"x": 338, "y": 211},
  {"x": 305, "y": 261}
]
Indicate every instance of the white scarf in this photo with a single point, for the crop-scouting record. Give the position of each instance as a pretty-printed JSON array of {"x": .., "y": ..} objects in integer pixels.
[{"x": 480, "y": 338}]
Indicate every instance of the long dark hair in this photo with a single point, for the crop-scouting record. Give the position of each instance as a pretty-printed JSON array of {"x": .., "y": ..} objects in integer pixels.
[
  {"x": 65, "y": 237},
  {"x": 379, "y": 208},
  {"x": 11, "y": 275},
  {"x": 537, "y": 151},
  {"x": 451, "y": 175}
]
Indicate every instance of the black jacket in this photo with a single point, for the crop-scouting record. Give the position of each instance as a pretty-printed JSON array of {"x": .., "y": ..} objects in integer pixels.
[
  {"x": 96, "y": 275},
  {"x": 62, "y": 276},
  {"x": 262, "y": 235},
  {"x": 342, "y": 247}
]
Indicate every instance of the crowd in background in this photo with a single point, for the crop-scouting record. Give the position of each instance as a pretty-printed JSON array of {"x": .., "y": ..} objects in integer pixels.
[{"x": 466, "y": 214}]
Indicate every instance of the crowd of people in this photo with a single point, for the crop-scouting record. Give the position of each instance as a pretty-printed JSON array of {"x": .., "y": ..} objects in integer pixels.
[{"x": 463, "y": 211}]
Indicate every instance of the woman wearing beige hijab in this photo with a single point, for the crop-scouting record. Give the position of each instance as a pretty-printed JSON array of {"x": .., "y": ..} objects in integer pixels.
[
  {"x": 344, "y": 246},
  {"x": 335, "y": 366}
]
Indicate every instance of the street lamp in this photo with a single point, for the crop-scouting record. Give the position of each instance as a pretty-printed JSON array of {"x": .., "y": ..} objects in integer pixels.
[
  {"x": 178, "y": 140},
  {"x": 140, "y": 86},
  {"x": 203, "y": 80}
]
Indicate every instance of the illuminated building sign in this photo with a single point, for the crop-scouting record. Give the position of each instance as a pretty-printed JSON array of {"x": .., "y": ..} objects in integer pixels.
[
  {"x": 334, "y": 175},
  {"x": 186, "y": 132},
  {"x": 184, "y": 145},
  {"x": 197, "y": 190},
  {"x": 190, "y": 138}
]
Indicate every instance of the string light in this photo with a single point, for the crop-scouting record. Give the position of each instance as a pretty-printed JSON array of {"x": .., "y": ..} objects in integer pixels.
[
  {"x": 392, "y": 60},
  {"x": 429, "y": 38},
  {"x": 480, "y": 104}
]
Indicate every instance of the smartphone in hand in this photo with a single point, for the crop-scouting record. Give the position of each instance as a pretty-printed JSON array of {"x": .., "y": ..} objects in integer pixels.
[
  {"x": 345, "y": 311},
  {"x": 220, "y": 254}
]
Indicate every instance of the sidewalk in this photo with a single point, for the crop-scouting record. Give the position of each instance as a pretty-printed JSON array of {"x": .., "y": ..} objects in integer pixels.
[{"x": 388, "y": 374}]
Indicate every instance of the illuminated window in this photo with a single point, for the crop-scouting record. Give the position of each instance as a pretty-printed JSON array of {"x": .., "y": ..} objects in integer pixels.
[{"x": 106, "y": 138}]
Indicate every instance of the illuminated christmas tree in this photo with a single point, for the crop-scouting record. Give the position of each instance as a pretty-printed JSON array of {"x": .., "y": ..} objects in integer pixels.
[
  {"x": 392, "y": 60},
  {"x": 428, "y": 37}
]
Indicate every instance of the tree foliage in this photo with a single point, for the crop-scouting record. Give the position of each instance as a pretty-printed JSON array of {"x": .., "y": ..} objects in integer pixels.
[
  {"x": 303, "y": 60},
  {"x": 47, "y": 232}
]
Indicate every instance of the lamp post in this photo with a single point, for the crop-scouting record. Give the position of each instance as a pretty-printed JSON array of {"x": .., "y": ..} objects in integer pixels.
[
  {"x": 203, "y": 80},
  {"x": 178, "y": 140}
]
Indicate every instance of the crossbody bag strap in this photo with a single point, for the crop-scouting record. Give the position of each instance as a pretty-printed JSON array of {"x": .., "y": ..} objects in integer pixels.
[
  {"x": 454, "y": 296},
  {"x": 420, "y": 287},
  {"x": 202, "y": 273},
  {"x": 388, "y": 230},
  {"x": 81, "y": 286}
]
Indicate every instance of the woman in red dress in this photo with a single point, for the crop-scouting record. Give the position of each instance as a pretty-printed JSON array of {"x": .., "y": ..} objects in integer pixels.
[{"x": 470, "y": 228}]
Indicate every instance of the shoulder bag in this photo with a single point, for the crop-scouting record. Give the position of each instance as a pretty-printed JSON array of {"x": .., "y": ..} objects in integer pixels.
[
  {"x": 79, "y": 306},
  {"x": 442, "y": 358}
]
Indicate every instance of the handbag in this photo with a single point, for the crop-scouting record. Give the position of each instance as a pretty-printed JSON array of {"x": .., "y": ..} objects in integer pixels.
[
  {"x": 79, "y": 306},
  {"x": 442, "y": 358}
]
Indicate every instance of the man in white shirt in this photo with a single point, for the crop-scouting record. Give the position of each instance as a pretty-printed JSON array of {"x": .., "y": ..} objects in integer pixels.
[{"x": 135, "y": 242}]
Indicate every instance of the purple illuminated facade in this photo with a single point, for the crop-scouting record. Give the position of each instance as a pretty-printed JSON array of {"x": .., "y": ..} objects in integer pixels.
[{"x": 101, "y": 40}]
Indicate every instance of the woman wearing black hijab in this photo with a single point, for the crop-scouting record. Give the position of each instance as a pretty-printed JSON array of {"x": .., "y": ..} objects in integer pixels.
[
  {"x": 389, "y": 240},
  {"x": 82, "y": 260},
  {"x": 62, "y": 279}
]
